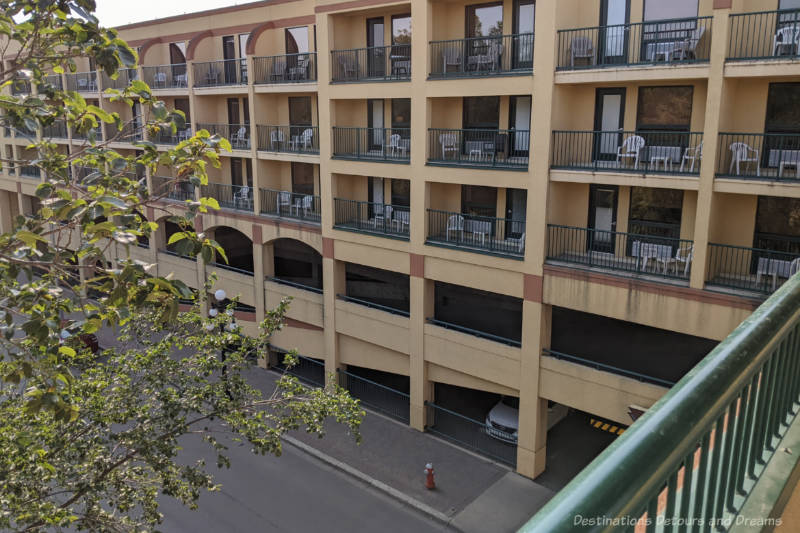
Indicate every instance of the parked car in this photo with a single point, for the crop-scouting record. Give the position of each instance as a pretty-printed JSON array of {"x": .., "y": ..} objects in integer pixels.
[{"x": 502, "y": 421}]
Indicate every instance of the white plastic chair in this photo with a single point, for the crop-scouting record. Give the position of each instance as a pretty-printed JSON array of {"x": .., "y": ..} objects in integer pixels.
[
  {"x": 687, "y": 49},
  {"x": 581, "y": 48},
  {"x": 303, "y": 203},
  {"x": 448, "y": 142},
  {"x": 160, "y": 79},
  {"x": 347, "y": 64},
  {"x": 786, "y": 37},
  {"x": 394, "y": 144},
  {"x": 303, "y": 140},
  {"x": 284, "y": 199},
  {"x": 630, "y": 149},
  {"x": 451, "y": 57},
  {"x": 454, "y": 223},
  {"x": 692, "y": 154},
  {"x": 239, "y": 139},
  {"x": 682, "y": 256},
  {"x": 242, "y": 196},
  {"x": 276, "y": 138},
  {"x": 742, "y": 153},
  {"x": 402, "y": 219}
]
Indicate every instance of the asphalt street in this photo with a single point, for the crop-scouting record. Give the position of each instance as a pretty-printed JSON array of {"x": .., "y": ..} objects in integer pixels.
[{"x": 291, "y": 493}]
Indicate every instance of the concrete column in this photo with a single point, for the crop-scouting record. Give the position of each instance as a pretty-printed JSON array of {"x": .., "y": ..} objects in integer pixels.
[
  {"x": 333, "y": 283},
  {"x": 251, "y": 104},
  {"x": 6, "y": 218},
  {"x": 421, "y": 307},
  {"x": 258, "y": 280},
  {"x": 705, "y": 195},
  {"x": 326, "y": 117},
  {"x": 420, "y": 120}
]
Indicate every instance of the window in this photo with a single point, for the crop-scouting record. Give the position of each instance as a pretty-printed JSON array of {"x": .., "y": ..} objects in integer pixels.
[
  {"x": 664, "y": 108},
  {"x": 243, "y": 44},
  {"x": 401, "y": 29},
  {"x": 300, "y": 110},
  {"x": 181, "y": 104},
  {"x": 401, "y": 193},
  {"x": 297, "y": 40},
  {"x": 674, "y": 9},
  {"x": 482, "y": 112},
  {"x": 303, "y": 178},
  {"x": 484, "y": 20},
  {"x": 789, "y": 4},
  {"x": 401, "y": 115},
  {"x": 655, "y": 212},
  {"x": 783, "y": 108},
  {"x": 382, "y": 287},
  {"x": 778, "y": 224},
  {"x": 177, "y": 53},
  {"x": 478, "y": 200}
]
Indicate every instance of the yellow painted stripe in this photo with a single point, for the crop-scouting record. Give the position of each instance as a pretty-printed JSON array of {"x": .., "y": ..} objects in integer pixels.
[
  {"x": 597, "y": 424},
  {"x": 605, "y": 427},
  {"x": 613, "y": 429}
]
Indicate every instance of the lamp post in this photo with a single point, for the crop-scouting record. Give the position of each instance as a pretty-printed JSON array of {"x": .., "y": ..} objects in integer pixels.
[{"x": 216, "y": 307}]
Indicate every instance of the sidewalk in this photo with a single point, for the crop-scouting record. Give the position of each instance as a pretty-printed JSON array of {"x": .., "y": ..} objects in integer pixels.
[{"x": 472, "y": 493}]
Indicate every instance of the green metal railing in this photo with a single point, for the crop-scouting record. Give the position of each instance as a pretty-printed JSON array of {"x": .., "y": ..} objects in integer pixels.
[
  {"x": 491, "y": 55},
  {"x": 763, "y": 35},
  {"x": 474, "y": 147},
  {"x": 759, "y": 156},
  {"x": 477, "y": 233},
  {"x": 698, "y": 452},
  {"x": 749, "y": 269},
  {"x": 376, "y": 63},
  {"x": 372, "y": 144},
  {"x": 288, "y": 68},
  {"x": 370, "y": 217}
]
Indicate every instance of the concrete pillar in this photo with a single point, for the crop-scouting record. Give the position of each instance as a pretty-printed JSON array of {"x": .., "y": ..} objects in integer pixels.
[
  {"x": 251, "y": 104},
  {"x": 333, "y": 283},
  {"x": 421, "y": 296},
  {"x": 258, "y": 281},
  {"x": 705, "y": 195},
  {"x": 6, "y": 218}
]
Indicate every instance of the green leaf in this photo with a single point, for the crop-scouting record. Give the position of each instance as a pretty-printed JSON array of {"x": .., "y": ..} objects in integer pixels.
[
  {"x": 66, "y": 350},
  {"x": 29, "y": 237},
  {"x": 177, "y": 236}
]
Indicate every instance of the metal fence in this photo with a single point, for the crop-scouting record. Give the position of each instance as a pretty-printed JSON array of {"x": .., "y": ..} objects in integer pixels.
[
  {"x": 479, "y": 147},
  {"x": 482, "y": 56},
  {"x": 763, "y": 35},
  {"x": 372, "y": 144},
  {"x": 82, "y": 81},
  {"x": 288, "y": 68},
  {"x": 237, "y": 134},
  {"x": 175, "y": 190},
  {"x": 294, "y": 284},
  {"x": 56, "y": 130},
  {"x": 607, "y": 368},
  {"x": 166, "y": 136},
  {"x": 696, "y": 455},
  {"x": 166, "y": 76},
  {"x": 286, "y": 204},
  {"x": 131, "y": 131},
  {"x": 292, "y": 139},
  {"x": 20, "y": 86},
  {"x": 94, "y": 134},
  {"x": 390, "y": 402},
  {"x": 124, "y": 78},
  {"x": 55, "y": 81},
  {"x": 774, "y": 156},
  {"x": 474, "y": 332},
  {"x": 376, "y": 63},
  {"x": 490, "y": 234},
  {"x": 222, "y": 72},
  {"x": 469, "y": 433},
  {"x": 309, "y": 371},
  {"x": 373, "y": 305},
  {"x": 371, "y": 217},
  {"x": 749, "y": 269},
  {"x": 238, "y": 197},
  {"x": 622, "y": 252},
  {"x": 30, "y": 171},
  {"x": 666, "y": 152},
  {"x": 669, "y": 41}
]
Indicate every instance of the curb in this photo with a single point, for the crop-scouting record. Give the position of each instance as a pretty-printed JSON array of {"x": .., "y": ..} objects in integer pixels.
[{"x": 381, "y": 486}]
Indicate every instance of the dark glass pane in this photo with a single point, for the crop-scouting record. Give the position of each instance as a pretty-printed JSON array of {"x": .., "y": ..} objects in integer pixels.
[
  {"x": 401, "y": 113},
  {"x": 483, "y": 20},
  {"x": 297, "y": 40},
  {"x": 478, "y": 200},
  {"x": 482, "y": 112},
  {"x": 664, "y": 108},
  {"x": 401, "y": 192},
  {"x": 181, "y": 104},
  {"x": 236, "y": 170},
  {"x": 656, "y": 205},
  {"x": 401, "y": 29},
  {"x": 303, "y": 178},
  {"x": 783, "y": 108},
  {"x": 300, "y": 110},
  {"x": 778, "y": 216}
]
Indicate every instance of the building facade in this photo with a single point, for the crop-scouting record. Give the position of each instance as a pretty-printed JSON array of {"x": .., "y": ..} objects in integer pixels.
[{"x": 563, "y": 203}]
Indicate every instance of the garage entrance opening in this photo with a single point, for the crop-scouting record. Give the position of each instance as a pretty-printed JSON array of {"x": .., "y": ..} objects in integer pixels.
[
  {"x": 309, "y": 371},
  {"x": 384, "y": 392}
]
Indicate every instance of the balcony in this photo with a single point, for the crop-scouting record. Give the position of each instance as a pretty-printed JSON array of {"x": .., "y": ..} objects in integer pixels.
[
  {"x": 501, "y": 55},
  {"x": 481, "y": 148},
  {"x": 20, "y": 86},
  {"x": 166, "y": 76},
  {"x": 54, "y": 80},
  {"x": 56, "y": 130},
  {"x": 288, "y": 139},
  {"x": 30, "y": 171},
  {"x": 651, "y": 152},
  {"x": 368, "y": 217},
  {"x": 764, "y": 35},
  {"x": 130, "y": 132},
  {"x": 93, "y": 135},
  {"x": 124, "y": 78},
  {"x": 759, "y": 156},
  {"x": 496, "y": 236},
  {"x": 289, "y": 68},
  {"x": 237, "y": 134},
  {"x": 749, "y": 269},
  {"x": 180, "y": 191},
  {"x": 225, "y": 72},
  {"x": 653, "y": 256},
  {"x": 392, "y": 145},
  {"x": 657, "y": 43},
  {"x": 84, "y": 82},
  {"x": 235, "y": 197},
  {"x": 166, "y": 136},
  {"x": 296, "y": 206},
  {"x": 377, "y": 63}
]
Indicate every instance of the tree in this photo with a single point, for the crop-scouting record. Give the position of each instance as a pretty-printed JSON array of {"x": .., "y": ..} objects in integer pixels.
[{"x": 90, "y": 440}]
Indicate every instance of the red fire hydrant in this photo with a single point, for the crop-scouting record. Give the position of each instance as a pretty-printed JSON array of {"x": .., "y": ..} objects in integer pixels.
[{"x": 429, "y": 482}]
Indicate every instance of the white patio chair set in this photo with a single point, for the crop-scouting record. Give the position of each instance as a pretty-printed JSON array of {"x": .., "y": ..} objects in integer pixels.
[
  {"x": 776, "y": 268},
  {"x": 160, "y": 80},
  {"x": 786, "y": 40},
  {"x": 633, "y": 149},
  {"x": 487, "y": 59},
  {"x": 582, "y": 48},
  {"x": 87, "y": 84},
  {"x": 303, "y": 142},
  {"x": 387, "y": 216},
  {"x": 296, "y": 205},
  {"x": 240, "y": 140},
  {"x": 477, "y": 151},
  {"x": 481, "y": 230},
  {"x": 662, "y": 255}
]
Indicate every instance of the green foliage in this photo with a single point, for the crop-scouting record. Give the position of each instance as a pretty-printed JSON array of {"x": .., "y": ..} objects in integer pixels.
[{"x": 89, "y": 440}]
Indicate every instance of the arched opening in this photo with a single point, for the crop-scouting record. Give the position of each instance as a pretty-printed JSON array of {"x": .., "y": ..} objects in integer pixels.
[
  {"x": 238, "y": 248},
  {"x": 298, "y": 263}
]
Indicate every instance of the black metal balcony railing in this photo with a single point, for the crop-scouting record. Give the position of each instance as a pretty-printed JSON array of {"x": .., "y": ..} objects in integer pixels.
[
  {"x": 603, "y": 367},
  {"x": 124, "y": 78},
  {"x": 482, "y": 56},
  {"x": 764, "y": 156},
  {"x": 286, "y": 204},
  {"x": 376, "y": 63},
  {"x": 56, "y": 130},
  {"x": 373, "y": 305},
  {"x": 372, "y": 144},
  {"x": 237, "y": 197},
  {"x": 669, "y": 152},
  {"x": 289, "y": 68},
  {"x": 222, "y": 72},
  {"x": 474, "y": 332},
  {"x": 657, "y": 42},
  {"x": 620, "y": 252},
  {"x": 30, "y": 171},
  {"x": 371, "y": 217},
  {"x": 95, "y": 134},
  {"x": 292, "y": 139},
  {"x": 20, "y": 86},
  {"x": 477, "y": 233},
  {"x": 706, "y": 450},
  {"x": 479, "y": 147},
  {"x": 174, "y": 190},
  {"x": 764, "y": 35},
  {"x": 165, "y": 136},
  {"x": 55, "y": 81},
  {"x": 82, "y": 81},
  {"x": 237, "y": 134},
  {"x": 296, "y": 285},
  {"x": 131, "y": 131},
  {"x": 750, "y": 269},
  {"x": 166, "y": 76}
]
